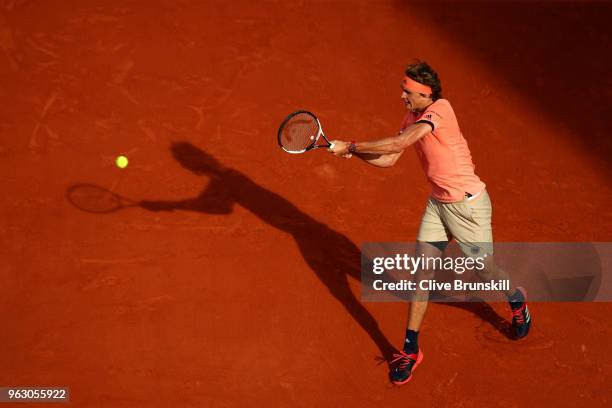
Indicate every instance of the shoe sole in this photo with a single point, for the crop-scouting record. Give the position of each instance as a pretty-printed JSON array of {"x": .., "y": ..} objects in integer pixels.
[{"x": 414, "y": 367}]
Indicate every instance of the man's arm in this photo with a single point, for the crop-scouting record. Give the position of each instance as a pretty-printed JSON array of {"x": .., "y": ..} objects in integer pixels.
[
  {"x": 385, "y": 146},
  {"x": 379, "y": 160}
]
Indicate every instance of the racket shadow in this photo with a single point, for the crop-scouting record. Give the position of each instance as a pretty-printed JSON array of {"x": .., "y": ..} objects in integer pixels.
[
  {"x": 96, "y": 199},
  {"x": 228, "y": 187}
]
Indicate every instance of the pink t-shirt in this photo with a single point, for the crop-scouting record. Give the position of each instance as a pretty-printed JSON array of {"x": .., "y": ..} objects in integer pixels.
[{"x": 444, "y": 153}]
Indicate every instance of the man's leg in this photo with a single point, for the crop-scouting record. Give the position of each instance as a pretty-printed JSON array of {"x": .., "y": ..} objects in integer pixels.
[
  {"x": 411, "y": 355},
  {"x": 517, "y": 297},
  {"x": 492, "y": 271},
  {"x": 418, "y": 306},
  {"x": 470, "y": 223},
  {"x": 431, "y": 240}
]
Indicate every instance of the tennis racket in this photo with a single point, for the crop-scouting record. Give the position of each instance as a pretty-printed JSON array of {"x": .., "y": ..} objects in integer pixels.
[
  {"x": 301, "y": 132},
  {"x": 96, "y": 199}
]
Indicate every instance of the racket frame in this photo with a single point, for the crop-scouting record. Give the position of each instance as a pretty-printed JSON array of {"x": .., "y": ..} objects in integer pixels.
[
  {"x": 314, "y": 144},
  {"x": 118, "y": 200}
]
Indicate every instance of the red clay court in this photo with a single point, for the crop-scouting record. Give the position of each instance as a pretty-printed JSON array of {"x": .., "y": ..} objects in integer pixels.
[{"x": 237, "y": 284}]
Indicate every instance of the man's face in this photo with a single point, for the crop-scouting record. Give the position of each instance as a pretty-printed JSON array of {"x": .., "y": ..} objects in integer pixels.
[{"x": 414, "y": 101}]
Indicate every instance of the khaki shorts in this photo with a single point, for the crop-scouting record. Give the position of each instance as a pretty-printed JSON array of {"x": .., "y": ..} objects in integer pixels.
[{"x": 467, "y": 221}]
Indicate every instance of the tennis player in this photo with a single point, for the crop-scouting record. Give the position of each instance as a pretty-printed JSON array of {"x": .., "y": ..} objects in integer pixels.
[{"x": 459, "y": 206}]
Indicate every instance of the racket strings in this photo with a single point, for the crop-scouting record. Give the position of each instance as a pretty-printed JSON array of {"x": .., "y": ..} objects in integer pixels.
[
  {"x": 299, "y": 132},
  {"x": 93, "y": 199}
]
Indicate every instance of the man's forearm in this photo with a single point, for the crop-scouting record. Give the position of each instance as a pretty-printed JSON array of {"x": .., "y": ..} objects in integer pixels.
[
  {"x": 378, "y": 160},
  {"x": 395, "y": 144},
  {"x": 384, "y": 146}
]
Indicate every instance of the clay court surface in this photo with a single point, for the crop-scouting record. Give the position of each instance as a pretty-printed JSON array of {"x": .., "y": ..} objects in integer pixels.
[{"x": 235, "y": 285}]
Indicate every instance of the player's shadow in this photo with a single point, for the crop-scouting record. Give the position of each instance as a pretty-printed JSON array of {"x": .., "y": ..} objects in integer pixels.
[
  {"x": 228, "y": 186},
  {"x": 486, "y": 313}
]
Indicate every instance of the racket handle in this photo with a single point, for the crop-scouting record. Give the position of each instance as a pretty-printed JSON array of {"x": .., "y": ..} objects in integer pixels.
[{"x": 331, "y": 146}]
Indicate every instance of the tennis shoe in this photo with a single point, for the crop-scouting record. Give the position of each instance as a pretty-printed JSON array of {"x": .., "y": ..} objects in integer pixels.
[
  {"x": 521, "y": 318},
  {"x": 403, "y": 365}
]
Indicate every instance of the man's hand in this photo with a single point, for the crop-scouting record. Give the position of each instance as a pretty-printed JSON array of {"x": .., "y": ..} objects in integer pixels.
[{"x": 340, "y": 149}]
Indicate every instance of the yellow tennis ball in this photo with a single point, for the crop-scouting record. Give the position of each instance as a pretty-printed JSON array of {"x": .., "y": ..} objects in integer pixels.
[{"x": 121, "y": 162}]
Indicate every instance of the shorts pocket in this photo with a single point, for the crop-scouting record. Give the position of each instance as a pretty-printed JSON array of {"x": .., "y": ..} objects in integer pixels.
[
  {"x": 467, "y": 212},
  {"x": 479, "y": 209}
]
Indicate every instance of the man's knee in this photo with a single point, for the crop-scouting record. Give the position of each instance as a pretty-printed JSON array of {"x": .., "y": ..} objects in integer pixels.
[{"x": 431, "y": 249}]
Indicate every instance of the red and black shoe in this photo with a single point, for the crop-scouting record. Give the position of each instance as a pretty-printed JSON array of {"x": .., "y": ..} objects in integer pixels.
[
  {"x": 521, "y": 319},
  {"x": 403, "y": 365}
]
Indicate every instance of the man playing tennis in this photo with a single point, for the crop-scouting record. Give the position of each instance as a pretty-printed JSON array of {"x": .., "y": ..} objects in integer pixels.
[{"x": 459, "y": 206}]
